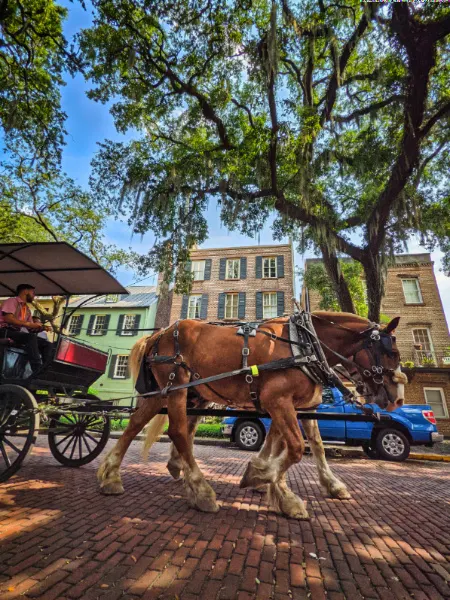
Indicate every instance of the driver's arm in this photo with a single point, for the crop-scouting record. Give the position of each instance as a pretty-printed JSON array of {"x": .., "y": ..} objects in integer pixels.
[{"x": 12, "y": 320}]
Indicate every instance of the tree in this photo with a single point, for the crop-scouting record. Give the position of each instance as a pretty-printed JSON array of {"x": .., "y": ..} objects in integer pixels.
[
  {"x": 316, "y": 278},
  {"x": 39, "y": 204},
  {"x": 33, "y": 56},
  {"x": 321, "y": 113}
]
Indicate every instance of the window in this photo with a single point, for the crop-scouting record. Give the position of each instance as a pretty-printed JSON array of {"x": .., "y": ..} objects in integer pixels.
[
  {"x": 426, "y": 353},
  {"x": 270, "y": 267},
  {"x": 194, "y": 307},
  {"x": 436, "y": 399},
  {"x": 99, "y": 326},
  {"x": 75, "y": 324},
  {"x": 198, "y": 270},
  {"x": 269, "y": 305},
  {"x": 111, "y": 298},
  {"x": 233, "y": 268},
  {"x": 129, "y": 323},
  {"x": 231, "y": 306},
  {"x": 121, "y": 367},
  {"x": 411, "y": 291}
]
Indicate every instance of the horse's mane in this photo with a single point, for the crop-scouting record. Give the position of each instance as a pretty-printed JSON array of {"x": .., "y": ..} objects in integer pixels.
[{"x": 342, "y": 318}]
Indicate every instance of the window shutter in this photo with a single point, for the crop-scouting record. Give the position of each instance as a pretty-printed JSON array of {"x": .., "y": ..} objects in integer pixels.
[
  {"x": 128, "y": 374},
  {"x": 106, "y": 326},
  {"x": 204, "y": 307},
  {"x": 241, "y": 306},
  {"x": 79, "y": 325},
  {"x": 137, "y": 322},
  {"x": 222, "y": 268},
  {"x": 280, "y": 304},
  {"x": 184, "y": 307},
  {"x": 259, "y": 304},
  {"x": 221, "y": 310},
  {"x": 112, "y": 366},
  {"x": 187, "y": 266},
  {"x": 243, "y": 267},
  {"x": 208, "y": 263},
  {"x": 280, "y": 266},
  {"x": 258, "y": 268},
  {"x": 91, "y": 324},
  {"x": 120, "y": 325}
]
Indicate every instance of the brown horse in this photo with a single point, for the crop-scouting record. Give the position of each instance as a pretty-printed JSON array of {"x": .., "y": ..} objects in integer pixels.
[{"x": 209, "y": 350}]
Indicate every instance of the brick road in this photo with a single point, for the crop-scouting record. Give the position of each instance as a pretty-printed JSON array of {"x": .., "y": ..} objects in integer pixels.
[{"x": 60, "y": 539}]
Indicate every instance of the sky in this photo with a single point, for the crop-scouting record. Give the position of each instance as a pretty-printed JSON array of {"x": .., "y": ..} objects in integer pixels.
[{"x": 90, "y": 122}]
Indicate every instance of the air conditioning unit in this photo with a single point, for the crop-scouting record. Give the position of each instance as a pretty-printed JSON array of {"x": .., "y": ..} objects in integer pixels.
[{"x": 446, "y": 360}]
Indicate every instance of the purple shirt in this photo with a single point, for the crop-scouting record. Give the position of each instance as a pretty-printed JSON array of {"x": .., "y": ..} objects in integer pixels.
[{"x": 17, "y": 307}]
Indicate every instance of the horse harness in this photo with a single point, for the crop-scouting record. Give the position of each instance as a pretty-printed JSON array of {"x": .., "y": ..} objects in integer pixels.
[{"x": 307, "y": 354}]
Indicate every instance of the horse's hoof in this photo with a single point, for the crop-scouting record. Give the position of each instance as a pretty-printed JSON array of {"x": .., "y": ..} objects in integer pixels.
[
  {"x": 174, "y": 471},
  {"x": 249, "y": 479},
  {"x": 114, "y": 488},
  {"x": 341, "y": 493},
  {"x": 209, "y": 506}
]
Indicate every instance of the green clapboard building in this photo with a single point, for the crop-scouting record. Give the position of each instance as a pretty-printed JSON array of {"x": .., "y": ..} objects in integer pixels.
[{"x": 112, "y": 324}]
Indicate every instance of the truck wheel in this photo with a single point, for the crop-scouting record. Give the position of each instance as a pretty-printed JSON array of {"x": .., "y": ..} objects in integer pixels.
[
  {"x": 370, "y": 451},
  {"x": 249, "y": 435},
  {"x": 392, "y": 445}
]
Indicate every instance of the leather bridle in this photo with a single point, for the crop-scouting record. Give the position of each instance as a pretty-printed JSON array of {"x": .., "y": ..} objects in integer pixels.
[{"x": 375, "y": 344}]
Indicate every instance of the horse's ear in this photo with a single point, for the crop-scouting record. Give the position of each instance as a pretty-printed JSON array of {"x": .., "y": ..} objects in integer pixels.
[{"x": 392, "y": 325}]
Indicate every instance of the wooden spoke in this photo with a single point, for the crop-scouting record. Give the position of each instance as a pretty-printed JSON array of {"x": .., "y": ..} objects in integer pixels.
[
  {"x": 5, "y": 455},
  {"x": 12, "y": 446}
]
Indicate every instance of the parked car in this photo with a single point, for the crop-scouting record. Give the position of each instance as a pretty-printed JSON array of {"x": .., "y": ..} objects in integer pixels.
[{"x": 411, "y": 425}]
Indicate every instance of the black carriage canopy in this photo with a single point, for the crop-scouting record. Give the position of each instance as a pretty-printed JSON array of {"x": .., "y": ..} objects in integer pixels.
[{"x": 55, "y": 269}]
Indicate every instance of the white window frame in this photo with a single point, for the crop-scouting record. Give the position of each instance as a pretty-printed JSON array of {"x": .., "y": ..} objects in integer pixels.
[
  {"x": 194, "y": 302},
  {"x": 127, "y": 329},
  {"x": 419, "y": 291},
  {"x": 118, "y": 366},
  {"x": 234, "y": 305},
  {"x": 94, "y": 325},
  {"x": 264, "y": 260},
  {"x": 443, "y": 400},
  {"x": 73, "y": 319},
  {"x": 423, "y": 353},
  {"x": 200, "y": 270},
  {"x": 230, "y": 266},
  {"x": 270, "y": 316},
  {"x": 111, "y": 298}
]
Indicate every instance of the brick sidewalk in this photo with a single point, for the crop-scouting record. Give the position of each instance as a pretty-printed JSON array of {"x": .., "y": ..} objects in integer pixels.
[{"x": 61, "y": 539}]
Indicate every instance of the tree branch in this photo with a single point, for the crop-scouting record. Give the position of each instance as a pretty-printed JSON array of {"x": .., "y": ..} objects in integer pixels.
[
  {"x": 247, "y": 110},
  {"x": 368, "y": 109},
  {"x": 442, "y": 112},
  {"x": 342, "y": 64}
]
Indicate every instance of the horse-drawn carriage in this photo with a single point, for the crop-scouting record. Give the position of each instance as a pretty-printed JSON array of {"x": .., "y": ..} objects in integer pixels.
[
  {"x": 75, "y": 437},
  {"x": 279, "y": 365}
]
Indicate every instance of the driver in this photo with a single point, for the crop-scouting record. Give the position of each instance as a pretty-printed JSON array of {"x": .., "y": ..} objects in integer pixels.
[{"x": 15, "y": 317}]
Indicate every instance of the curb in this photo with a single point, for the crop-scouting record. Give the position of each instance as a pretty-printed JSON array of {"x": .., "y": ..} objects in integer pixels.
[{"x": 432, "y": 457}]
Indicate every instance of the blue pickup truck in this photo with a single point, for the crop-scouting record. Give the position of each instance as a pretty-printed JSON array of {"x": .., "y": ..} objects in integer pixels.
[{"x": 411, "y": 425}]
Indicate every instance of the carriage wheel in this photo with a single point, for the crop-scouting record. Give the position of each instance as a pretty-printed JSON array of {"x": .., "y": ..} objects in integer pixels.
[
  {"x": 18, "y": 427},
  {"x": 76, "y": 439}
]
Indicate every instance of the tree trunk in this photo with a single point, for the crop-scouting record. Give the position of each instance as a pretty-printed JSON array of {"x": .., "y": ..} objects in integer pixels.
[
  {"x": 340, "y": 286},
  {"x": 374, "y": 271}
]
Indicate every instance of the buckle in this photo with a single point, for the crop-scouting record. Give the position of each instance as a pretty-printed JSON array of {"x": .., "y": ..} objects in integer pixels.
[
  {"x": 246, "y": 329},
  {"x": 176, "y": 333},
  {"x": 245, "y": 351},
  {"x": 249, "y": 379},
  {"x": 172, "y": 376},
  {"x": 254, "y": 396}
]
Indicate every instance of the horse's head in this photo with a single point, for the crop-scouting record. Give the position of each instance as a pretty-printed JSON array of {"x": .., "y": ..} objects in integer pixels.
[{"x": 379, "y": 362}]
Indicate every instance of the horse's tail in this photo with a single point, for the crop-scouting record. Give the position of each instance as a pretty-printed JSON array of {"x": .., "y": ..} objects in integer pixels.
[
  {"x": 154, "y": 430},
  {"x": 138, "y": 351},
  {"x": 156, "y": 425}
]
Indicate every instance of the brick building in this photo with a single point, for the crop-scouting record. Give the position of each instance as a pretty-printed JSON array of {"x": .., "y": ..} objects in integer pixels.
[
  {"x": 233, "y": 284},
  {"x": 422, "y": 336}
]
